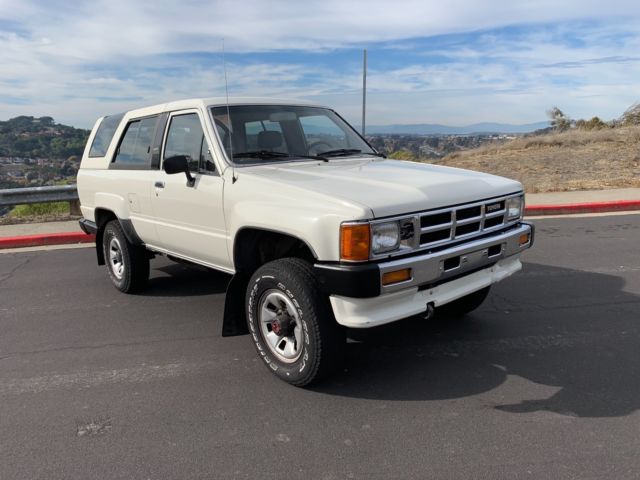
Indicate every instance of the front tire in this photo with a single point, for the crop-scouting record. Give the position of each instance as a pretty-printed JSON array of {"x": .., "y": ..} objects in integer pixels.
[
  {"x": 128, "y": 264},
  {"x": 291, "y": 322}
]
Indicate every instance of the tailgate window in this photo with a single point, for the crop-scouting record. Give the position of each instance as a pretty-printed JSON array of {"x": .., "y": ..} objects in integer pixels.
[{"x": 104, "y": 135}]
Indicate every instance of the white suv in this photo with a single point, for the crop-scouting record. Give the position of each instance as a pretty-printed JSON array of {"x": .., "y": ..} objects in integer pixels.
[{"x": 319, "y": 231}]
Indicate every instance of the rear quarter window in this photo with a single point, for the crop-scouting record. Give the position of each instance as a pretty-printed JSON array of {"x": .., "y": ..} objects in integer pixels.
[
  {"x": 134, "y": 150},
  {"x": 104, "y": 135}
]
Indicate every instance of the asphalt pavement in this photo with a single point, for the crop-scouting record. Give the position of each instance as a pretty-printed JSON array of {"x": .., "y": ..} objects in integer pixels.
[{"x": 541, "y": 382}]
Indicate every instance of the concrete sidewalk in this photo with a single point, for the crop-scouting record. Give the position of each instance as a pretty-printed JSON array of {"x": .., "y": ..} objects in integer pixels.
[
  {"x": 21, "y": 229},
  {"x": 556, "y": 203},
  {"x": 586, "y": 201},
  {"x": 582, "y": 196}
]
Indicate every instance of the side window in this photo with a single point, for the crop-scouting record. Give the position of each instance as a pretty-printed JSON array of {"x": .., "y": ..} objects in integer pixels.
[
  {"x": 185, "y": 137},
  {"x": 135, "y": 146},
  {"x": 322, "y": 133},
  {"x": 104, "y": 135}
]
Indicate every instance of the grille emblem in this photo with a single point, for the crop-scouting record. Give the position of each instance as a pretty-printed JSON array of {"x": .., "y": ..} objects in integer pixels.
[
  {"x": 494, "y": 207},
  {"x": 406, "y": 231}
]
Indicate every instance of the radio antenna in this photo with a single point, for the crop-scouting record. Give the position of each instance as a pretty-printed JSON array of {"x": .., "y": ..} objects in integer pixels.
[
  {"x": 364, "y": 90},
  {"x": 226, "y": 89}
]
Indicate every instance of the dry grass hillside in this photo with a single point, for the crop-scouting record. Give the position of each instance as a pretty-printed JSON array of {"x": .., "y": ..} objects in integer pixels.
[{"x": 572, "y": 160}]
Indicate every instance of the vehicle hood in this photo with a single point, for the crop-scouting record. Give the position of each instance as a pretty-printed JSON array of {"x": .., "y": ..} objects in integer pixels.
[{"x": 387, "y": 187}]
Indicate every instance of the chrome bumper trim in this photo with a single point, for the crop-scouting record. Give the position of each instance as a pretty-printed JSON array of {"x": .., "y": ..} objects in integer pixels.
[{"x": 431, "y": 268}]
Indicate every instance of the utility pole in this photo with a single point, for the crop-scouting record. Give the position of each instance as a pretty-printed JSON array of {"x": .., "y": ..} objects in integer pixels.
[{"x": 364, "y": 90}]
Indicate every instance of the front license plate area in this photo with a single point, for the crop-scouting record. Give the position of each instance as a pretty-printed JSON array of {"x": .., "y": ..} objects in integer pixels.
[{"x": 470, "y": 261}]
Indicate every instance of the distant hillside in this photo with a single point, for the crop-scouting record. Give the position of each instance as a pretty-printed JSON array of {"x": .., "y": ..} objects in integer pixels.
[
  {"x": 576, "y": 159},
  {"x": 30, "y": 137},
  {"x": 437, "y": 129}
]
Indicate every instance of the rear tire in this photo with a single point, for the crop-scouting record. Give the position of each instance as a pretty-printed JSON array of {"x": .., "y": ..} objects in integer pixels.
[
  {"x": 291, "y": 322},
  {"x": 128, "y": 264},
  {"x": 464, "y": 305}
]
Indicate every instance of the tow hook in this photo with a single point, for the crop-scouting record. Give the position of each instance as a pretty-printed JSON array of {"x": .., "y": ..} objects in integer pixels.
[{"x": 430, "y": 311}]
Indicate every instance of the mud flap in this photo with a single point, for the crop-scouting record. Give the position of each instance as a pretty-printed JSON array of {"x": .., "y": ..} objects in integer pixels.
[
  {"x": 99, "y": 251},
  {"x": 235, "y": 317}
]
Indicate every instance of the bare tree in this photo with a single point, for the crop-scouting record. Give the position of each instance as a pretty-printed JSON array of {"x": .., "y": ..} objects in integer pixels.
[
  {"x": 559, "y": 121},
  {"x": 631, "y": 116}
]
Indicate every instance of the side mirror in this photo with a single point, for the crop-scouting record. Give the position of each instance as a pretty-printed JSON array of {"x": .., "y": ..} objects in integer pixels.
[{"x": 178, "y": 164}]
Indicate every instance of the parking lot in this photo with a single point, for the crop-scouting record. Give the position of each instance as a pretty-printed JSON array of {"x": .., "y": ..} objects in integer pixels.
[{"x": 543, "y": 381}]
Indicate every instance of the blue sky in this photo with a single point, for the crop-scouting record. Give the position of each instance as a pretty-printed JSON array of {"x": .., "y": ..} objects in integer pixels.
[{"x": 457, "y": 62}]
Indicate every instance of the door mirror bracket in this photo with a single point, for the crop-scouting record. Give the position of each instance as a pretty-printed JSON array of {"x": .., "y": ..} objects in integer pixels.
[{"x": 179, "y": 164}]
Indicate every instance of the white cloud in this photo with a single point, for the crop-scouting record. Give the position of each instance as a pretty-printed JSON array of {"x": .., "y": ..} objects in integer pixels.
[
  {"x": 79, "y": 60},
  {"x": 110, "y": 28}
]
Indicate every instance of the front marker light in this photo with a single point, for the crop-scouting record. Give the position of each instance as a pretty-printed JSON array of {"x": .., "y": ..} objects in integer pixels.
[
  {"x": 514, "y": 208},
  {"x": 355, "y": 240},
  {"x": 385, "y": 237}
]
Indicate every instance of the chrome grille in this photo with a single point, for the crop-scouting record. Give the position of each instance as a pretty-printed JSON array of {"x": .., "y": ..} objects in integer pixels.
[{"x": 449, "y": 224}]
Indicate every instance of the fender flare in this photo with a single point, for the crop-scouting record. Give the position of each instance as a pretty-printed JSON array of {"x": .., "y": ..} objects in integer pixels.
[{"x": 103, "y": 216}]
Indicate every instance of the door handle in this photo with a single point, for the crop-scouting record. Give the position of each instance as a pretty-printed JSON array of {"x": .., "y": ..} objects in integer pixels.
[{"x": 159, "y": 184}]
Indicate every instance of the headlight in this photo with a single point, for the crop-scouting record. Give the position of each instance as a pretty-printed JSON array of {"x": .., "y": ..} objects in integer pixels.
[
  {"x": 360, "y": 240},
  {"x": 514, "y": 208},
  {"x": 385, "y": 237}
]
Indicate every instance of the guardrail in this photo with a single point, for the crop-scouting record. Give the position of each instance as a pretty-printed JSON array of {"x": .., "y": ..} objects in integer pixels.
[{"x": 57, "y": 193}]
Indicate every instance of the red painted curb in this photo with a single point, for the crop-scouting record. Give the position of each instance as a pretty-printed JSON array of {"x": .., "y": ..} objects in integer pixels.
[
  {"x": 588, "y": 207},
  {"x": 46, "y": 239},
  {"x": 562, "y": 209}
]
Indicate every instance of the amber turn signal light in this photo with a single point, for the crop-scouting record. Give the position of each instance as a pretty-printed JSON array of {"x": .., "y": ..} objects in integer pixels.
[
  {"x": 524, "y": 238},
  {"x": 396, "y": 276},
  {"x": 355, "y": 240}
]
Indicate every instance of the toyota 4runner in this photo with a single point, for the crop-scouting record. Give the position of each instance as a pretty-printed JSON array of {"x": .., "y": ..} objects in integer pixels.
[{"x": 318, "y": 230}]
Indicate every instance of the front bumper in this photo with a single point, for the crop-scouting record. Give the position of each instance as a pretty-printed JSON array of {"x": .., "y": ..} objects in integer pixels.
[
  {"x": 451, "y": 273},
  {"x": 427, "y": 269},
  {"x": 387, "y": 308}
]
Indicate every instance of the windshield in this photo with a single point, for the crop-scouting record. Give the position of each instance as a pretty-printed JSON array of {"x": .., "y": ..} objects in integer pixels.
[{"x": 277, "y": 133}]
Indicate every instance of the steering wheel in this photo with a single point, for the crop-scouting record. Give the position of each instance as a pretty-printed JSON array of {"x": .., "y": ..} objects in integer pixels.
[{"x": 312, "y": 147}]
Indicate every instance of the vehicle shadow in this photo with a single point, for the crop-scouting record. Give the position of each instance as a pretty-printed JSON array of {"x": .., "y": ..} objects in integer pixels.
[
  {"x": 170, "y": 279},
  {"x": 574, "y": 334}
]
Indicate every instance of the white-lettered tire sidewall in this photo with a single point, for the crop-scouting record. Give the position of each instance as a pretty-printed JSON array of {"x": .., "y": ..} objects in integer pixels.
[{"x": 298, "y": 371}]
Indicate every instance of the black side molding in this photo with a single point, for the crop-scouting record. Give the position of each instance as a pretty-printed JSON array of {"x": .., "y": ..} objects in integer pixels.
[{"x": 88, "y": 227}]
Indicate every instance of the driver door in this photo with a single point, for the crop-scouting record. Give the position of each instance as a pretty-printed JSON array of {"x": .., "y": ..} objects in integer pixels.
[{"x": 190, "y": 219}]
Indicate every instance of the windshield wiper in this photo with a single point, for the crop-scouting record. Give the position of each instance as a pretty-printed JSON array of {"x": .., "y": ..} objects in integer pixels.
[
  {"x": 266, "y": 154},
  {"x": 260, "y": 154},
  {"x": 313, "y": 157},
  {"x": 340, "y": 152}
]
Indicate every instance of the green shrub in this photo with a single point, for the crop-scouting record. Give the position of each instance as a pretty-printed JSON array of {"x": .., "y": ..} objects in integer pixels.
[
  {"x": 594, "y": 124},
  {"x": 402, "y": 155},
  {"x": 40, "y": 209}
]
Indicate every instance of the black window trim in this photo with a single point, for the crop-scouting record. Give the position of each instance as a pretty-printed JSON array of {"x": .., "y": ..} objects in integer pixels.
[
  {"x": 163, "y": 145},
  {"x": 156, "y": 146}
]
